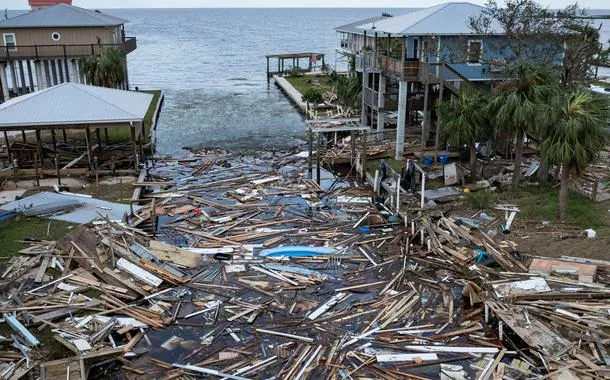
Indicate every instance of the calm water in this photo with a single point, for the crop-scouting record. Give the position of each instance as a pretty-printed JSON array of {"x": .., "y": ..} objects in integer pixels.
[{"x": 211, "y": 65}]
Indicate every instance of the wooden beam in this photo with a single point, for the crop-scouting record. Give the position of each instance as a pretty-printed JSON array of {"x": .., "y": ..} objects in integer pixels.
[
  {"x": 134, "y": 147},
  {"x": 88, "y": 142}
]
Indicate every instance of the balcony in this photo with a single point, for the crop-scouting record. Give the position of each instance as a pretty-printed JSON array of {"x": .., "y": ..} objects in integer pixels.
[
  {"x": 62, "y": 51},
  {"x": 408, "y": 70},
  {"x": 368, "y": 60}
]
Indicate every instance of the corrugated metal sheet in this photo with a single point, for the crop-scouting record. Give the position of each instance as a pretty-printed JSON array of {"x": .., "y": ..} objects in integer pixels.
[
  {"x": 88, "y": 210},
  {"x": 61, "y": 15},
  {"x": 443, "y": 19},
  {"x": 73, "y": 103}
]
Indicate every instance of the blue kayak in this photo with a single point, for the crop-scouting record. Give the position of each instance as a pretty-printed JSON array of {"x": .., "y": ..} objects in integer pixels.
[{"x": 297, "y": 251}]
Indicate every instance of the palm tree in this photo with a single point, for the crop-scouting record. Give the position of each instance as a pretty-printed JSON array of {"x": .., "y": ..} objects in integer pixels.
[
  {"x": 579, "y": 135},
  {"x": 106, "y": 69},
  {"x": 522, "y": 104},
  {"x": 464, "y": 122}
]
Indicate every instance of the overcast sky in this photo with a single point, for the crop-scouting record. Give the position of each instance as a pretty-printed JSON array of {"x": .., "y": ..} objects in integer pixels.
[{"x": 22, "y": 4}]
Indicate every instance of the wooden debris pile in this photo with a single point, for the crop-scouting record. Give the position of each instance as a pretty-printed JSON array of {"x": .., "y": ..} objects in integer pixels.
[{"x": 240, "y": 267}]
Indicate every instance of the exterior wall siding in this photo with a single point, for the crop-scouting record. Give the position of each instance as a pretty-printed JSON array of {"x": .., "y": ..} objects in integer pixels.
[{"x": 69, "y": 36}]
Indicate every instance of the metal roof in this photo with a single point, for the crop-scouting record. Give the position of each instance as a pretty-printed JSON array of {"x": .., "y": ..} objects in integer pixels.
[
  {"x": 77, "y": 209},
  {"x": 70, "y": 104},
  {"x": 353, "y": 27},
  {"x": 61, "y": 15},
  {"x": 442, "y": 19}
]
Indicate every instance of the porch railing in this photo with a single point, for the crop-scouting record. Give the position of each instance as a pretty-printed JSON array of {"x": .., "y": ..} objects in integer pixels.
[{"x": 62, "y": 51}]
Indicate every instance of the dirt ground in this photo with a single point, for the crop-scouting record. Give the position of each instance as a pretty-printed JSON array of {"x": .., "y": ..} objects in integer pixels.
[{"x": 553, "y": 246}]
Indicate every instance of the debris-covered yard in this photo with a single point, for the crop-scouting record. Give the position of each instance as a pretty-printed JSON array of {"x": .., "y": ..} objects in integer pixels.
[{"x": 238, "y": 267}]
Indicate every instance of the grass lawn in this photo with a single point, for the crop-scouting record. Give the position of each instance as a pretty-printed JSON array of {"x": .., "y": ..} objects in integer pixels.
[
  {"x": 305, "y": 82},
  {"x": 14, "y": 230},
  {"x": 541, "y": 202},
  {"x": 118, "y": 135}
]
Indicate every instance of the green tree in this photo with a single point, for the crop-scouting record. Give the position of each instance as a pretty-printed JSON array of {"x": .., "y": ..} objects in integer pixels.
[
  {"x": 465, "y": 122},
  {"x": 105, "y": 69},
  {"x": 579, "y": 135},
  {"x": 563, "y": 39},
  {"x": 521, "y": 105}
]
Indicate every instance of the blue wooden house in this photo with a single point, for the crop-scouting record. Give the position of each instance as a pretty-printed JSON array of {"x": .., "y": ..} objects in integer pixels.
[{"x": 409, "y": 61}]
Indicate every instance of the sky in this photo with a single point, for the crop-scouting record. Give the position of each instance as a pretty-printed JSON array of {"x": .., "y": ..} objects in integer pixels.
[{"x": 104, "y": 4}]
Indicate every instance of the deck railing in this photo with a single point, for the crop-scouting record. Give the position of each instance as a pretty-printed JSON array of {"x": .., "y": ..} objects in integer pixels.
[
  {"x": 409, "y": 69},
  {"x": 454, "y": 80},
  {"x": 62, "y": 51},
  {"x": 371, "y": 97}
]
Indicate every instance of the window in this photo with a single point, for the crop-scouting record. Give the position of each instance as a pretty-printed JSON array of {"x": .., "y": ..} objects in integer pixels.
[
  {"x": 55, "y": 36},
  {"x": 475, "y": 52},
  {"x": 10, "y": 41}
]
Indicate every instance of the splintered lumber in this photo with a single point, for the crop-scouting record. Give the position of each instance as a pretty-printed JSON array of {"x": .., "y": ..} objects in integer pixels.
[
  {"x": 167, "y": 252},
  {"x": 327, "y": 305},
  {"x": 42, "y": 269},
  {"x": 285, "y": 335},
  {"x": 531, "y": 330},
  {"x": 209, "y": 371},
  {"x": 125, "y": 282},
  {"x": 21, "y": 330},
  {"x": 138, "y": 272},
  {"x": 453, "y": 349},
  {"x": 381, "y": 358}
]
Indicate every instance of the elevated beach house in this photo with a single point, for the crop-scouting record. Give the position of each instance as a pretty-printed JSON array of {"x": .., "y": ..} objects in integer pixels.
[
  {"x": 42, "y": 48},
  {"x": 409, "y": 61}
]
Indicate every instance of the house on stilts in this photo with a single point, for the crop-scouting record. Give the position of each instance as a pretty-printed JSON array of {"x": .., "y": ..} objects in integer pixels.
[
  {"x": 43, "y": 47},
  {"x": 410, "y": 61}
]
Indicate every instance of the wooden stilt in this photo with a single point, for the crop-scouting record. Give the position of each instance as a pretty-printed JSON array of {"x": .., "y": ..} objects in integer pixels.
[
  {"x": 438, "y": 118},
  {"x": 63, "y": 131},
  {"x": 57, "y": 169},
  {"x": 106, "y": 136},
  {"x": 88, "y": 142},
  {"x": 39, "y": 147},
  {"x": 364, "y": 133},
  {"x": 426, "y": 116},
  {"x": 310, "y": 156},
  {"x": 318, "y": 149},
  {"x": 8, "y": 147},
  {"x": 23, "y": 136},
  {"x": 352, "y": 141},
  {"x": 54, "y": 140},
  {"x": 134, "y": 147},
  {"x": 97, "y": 136}
]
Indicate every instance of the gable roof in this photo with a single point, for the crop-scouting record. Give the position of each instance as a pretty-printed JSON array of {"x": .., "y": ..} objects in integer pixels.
[
  {"x": 442, "y": 19},
  {"x": 61, "y": 15},
  {"x": 74, "y": 104}
]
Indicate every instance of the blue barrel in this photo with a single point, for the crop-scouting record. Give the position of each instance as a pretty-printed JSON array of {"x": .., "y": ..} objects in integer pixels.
[
  {"x": 428, "y": 161},
  {"x": 443, "y": 159}
]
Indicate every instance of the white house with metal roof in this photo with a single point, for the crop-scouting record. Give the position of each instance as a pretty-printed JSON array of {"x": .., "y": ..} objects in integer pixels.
[{"x": 42, "y": 48}]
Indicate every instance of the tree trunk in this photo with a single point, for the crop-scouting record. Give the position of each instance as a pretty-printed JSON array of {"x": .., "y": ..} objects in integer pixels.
[
  {"x": 543, "y": 172},
  {"x": 563, "y": 191},
  {"x": 473, "y": 161},
  {"x": 518, "y": 157}
]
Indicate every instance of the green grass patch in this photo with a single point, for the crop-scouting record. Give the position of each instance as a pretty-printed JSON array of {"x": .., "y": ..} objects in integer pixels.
[
  {"x": 482, "y": 199},
  {"x": 303, "y": 83},
  {"x": 542, "y": 203},
  {"x": 118, "y": 135},
  {"x": 373, "y": 165},
  {"x": 19, "y": 228}
]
